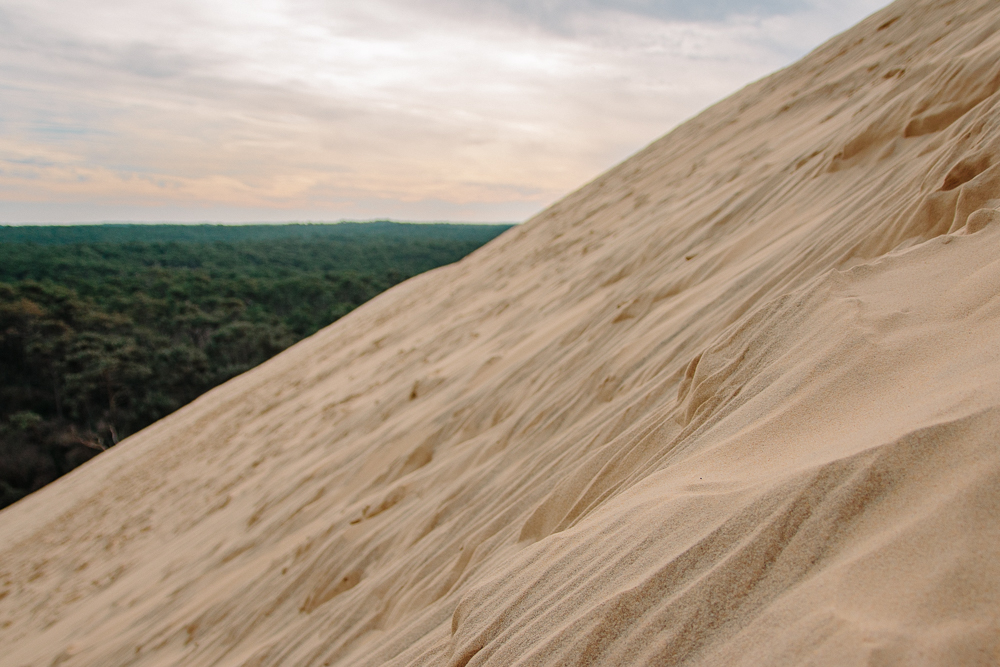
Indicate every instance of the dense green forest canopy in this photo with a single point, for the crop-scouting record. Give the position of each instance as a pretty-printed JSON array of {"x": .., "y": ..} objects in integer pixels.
[{"x": 106, "y": 328}]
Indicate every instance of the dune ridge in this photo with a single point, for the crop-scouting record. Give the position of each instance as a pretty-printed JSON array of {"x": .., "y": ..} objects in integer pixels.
[{"x": 735, "y": 402}]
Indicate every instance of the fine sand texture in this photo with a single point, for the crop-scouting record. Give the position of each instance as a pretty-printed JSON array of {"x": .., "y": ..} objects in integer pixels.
[{"x": 735, "y": 402}]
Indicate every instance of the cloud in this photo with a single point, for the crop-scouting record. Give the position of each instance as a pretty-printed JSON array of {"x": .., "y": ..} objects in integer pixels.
[
  {"x": 559, "y": 15},
  {"x": 269, "y": 108}
]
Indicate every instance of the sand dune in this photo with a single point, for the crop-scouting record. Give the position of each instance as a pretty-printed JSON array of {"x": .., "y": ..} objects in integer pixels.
[{"x": 735, "y": 402}]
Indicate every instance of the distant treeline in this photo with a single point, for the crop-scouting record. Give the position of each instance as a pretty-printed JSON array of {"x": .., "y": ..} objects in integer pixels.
[
  {"x": 383, "y": 230},
  {"x": 106, "y": 328}
]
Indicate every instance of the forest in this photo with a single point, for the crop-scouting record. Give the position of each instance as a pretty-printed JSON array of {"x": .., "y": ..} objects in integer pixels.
[{"x": 106, "y": 328}]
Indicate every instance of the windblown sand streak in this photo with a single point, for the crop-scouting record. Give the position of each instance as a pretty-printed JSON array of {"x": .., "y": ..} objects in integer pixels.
[{"x": 736, "y": 402}]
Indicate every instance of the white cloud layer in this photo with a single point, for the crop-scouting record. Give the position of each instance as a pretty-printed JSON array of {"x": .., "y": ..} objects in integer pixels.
[{"x": 303, "y": 109}]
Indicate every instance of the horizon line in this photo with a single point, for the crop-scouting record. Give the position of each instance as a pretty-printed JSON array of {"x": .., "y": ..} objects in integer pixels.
[{"x": 251, "y": 223}]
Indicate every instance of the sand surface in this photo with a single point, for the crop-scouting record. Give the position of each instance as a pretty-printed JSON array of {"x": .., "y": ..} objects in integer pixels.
[{"x": 735, "y": 402}]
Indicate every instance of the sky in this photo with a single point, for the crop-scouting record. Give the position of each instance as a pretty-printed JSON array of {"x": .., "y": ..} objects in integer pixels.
[{"x": 322, "y": 110}]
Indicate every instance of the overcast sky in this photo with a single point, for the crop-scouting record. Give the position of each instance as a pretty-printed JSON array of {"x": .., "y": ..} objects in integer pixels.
[{"x": 278, "y": 110}]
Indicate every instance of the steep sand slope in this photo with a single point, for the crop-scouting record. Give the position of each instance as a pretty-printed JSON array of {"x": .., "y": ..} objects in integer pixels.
[{"x": 736, "y": 402}]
